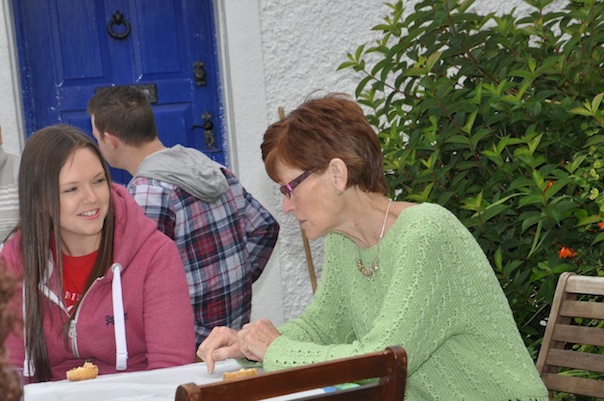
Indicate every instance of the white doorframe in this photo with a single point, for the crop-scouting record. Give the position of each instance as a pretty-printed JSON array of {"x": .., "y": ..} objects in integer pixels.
[
  {"x": 12, "y": 121},
  {"x": 244, "y": 96}
]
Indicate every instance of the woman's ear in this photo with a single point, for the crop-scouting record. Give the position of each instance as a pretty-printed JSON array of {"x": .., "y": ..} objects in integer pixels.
[{"x": 338, "y": 171}]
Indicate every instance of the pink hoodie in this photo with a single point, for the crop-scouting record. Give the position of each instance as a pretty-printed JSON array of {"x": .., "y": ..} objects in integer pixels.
[{"x": 155, "y": 329}]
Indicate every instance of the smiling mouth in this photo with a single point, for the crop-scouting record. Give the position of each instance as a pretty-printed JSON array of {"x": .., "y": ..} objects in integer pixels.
[{"x": 90, "y": 213}]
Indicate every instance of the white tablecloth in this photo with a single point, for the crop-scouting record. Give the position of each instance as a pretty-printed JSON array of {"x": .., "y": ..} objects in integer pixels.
[{"x": 150, "y": 385}]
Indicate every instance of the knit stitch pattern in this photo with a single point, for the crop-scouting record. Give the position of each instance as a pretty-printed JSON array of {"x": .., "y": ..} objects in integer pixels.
[{"x": 436, "y": 295}]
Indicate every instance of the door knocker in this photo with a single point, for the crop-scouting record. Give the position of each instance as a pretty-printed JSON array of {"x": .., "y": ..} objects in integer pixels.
[{"x": 117, "y": 20}]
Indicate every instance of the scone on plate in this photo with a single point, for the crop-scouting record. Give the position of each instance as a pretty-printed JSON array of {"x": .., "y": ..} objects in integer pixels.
[{"x": 87, "y": 371}]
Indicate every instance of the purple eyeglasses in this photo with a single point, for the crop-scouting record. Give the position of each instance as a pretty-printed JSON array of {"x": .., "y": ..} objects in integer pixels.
[{"x": 288, "y": 188}]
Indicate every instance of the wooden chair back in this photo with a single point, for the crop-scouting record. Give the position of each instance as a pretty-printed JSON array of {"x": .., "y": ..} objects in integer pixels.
[
  {"x": 563, "y": 337},
  {"x": 389, "y": 366}
]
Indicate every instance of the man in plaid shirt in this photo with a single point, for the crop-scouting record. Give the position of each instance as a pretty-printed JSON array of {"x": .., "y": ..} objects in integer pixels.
[{"x": 224, "y": 235}]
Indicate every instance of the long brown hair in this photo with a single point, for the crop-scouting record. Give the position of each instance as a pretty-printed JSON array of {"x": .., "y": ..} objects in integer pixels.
[
  {"x": 44, "y": 155},
  {"x": 10, "y": 386},
  {"x": 321, "y": 129}
]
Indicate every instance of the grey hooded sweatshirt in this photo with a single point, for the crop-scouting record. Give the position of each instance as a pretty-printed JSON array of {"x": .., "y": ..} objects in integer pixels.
[{"x": 188, "y": 169}]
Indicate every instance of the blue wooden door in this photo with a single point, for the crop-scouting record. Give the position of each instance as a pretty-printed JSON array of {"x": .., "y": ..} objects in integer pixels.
[{"x": 70, "y": 48}]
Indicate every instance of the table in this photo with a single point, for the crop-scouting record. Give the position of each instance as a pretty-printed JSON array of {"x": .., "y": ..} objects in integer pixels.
[{"x": 150, "y": 385}]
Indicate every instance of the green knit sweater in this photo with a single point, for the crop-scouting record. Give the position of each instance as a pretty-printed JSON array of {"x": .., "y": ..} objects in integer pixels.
[{"x": 436, "y": 295}]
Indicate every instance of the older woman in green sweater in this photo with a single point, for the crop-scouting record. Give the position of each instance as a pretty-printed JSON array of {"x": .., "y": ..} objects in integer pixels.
[{"x": 394, "y": 273}]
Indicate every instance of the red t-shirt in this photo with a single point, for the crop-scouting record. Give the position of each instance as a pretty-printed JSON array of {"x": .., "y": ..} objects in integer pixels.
[{"x": 76, "y": 270}]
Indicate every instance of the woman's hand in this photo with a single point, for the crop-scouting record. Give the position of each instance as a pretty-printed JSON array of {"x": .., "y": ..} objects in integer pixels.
[
  {"x": 255, "y": 338},
  {"x": 250, "y": 342},
  {"x": 221, "y": 344}
]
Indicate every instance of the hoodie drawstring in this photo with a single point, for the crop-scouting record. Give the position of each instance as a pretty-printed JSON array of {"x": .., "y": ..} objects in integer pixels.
[
  {"x": 119, "y": 321},
  {"x": 28, "y": 369}
]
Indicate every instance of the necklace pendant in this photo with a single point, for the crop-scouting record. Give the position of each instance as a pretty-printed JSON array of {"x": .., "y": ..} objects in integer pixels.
[
  {"x": 374, "y": 265},
  {"x": 368, "y": 271}
]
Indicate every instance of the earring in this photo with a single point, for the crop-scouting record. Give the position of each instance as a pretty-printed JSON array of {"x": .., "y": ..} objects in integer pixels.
[{"x": 338, "y": 192}]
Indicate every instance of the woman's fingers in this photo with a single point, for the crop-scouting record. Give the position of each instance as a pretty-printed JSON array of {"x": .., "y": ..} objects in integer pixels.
[
  {"x": 221, "y": 344},
  {"x": 250, "y": 342}
]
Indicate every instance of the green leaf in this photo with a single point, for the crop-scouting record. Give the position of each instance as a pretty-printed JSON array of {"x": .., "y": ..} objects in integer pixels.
[
  {"x": 470, "y": 122},
  {"x": 521, "y": 74},
  {"x": 595, "y": 103},
  {"x": 473, "y": 203},
  {"x": 359, "y": 52},
  {"x": 538, "y": 178},
  {"x": 536, "y": 238},
  {"x": 589, "y": 220},
  {"x": 598, "y": 238},
  {"x": 361, "y": 86},
  {"x": 414, "y": 72},
  {"x": 459, "y": 139},
  {"x": 532, "y": 220},
  {"x": 490, "y": 212},
  {"x": 432, "y": 59},
  {"x": 511, "y": 267},
  {"x": 594, "y": 140},
  {"x": 574, "y": 165},
  {"x": 498, "y": 259},
  {"x": 533, "y": 199},
  {"x": 556, "y": 187},
  {"x": 346, "y": 64},
  {"x": 582, "y": 111}
]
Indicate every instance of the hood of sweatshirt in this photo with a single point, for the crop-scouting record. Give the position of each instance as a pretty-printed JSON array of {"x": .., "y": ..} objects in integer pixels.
[
  {"x": 187, "y": 168},
  {"x": 132, "y": 227}
]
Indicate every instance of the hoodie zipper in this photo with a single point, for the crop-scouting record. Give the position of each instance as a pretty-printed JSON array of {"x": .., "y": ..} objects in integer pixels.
[{"x": 73, "y": 334}]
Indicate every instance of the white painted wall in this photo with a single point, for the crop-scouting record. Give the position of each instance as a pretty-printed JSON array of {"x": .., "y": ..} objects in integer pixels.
[
  {"x": 10, "y": 99},
  {"x": 303, "y": 43},
  {"x": 273, "y": 53}
]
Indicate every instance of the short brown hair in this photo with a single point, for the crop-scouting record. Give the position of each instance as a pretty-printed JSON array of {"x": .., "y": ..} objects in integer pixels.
[
  {"x": 320, "y": 130},
  {"x": 124, "y": 111}
]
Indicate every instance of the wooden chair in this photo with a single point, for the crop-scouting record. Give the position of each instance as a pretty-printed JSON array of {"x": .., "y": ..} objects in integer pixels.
[
  {"x": 562, "y": 336},
  {"x": 390, "y": 366}
]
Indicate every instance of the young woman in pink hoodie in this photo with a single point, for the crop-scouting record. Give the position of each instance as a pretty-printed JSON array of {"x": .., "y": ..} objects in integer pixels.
[{"x": 98, "y": 281}]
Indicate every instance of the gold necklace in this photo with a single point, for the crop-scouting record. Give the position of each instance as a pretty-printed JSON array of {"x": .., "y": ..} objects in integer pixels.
[{"x": 374, "y": 265}]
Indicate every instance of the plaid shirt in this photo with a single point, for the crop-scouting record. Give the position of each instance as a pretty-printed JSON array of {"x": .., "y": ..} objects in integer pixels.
[{"x": 224, "y": 246}]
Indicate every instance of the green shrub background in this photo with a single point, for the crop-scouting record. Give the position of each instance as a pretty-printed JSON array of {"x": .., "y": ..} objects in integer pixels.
[{"x": 499, "y": 119}]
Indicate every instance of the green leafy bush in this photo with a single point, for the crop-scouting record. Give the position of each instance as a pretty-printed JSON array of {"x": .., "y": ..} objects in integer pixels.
[{"x": 499, "y": 119}]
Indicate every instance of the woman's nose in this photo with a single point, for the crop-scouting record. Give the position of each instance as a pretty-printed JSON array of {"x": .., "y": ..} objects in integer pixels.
[
  {"x": 287, "y": 205},
  {"x": 90, "y": 195}
]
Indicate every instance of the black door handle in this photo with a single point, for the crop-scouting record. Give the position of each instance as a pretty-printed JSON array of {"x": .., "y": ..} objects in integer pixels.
[
  {"x": 117, "y": 20},
  {"x": 208, "y": 128}
]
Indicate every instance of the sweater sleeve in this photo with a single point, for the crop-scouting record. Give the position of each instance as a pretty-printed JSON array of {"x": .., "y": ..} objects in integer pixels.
[
  {"x": 326, "y": 320},
  {"x": 411, "y": 300},
  {"x": 167, "y": 311},
  {"x": 324, "y": 331}
]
